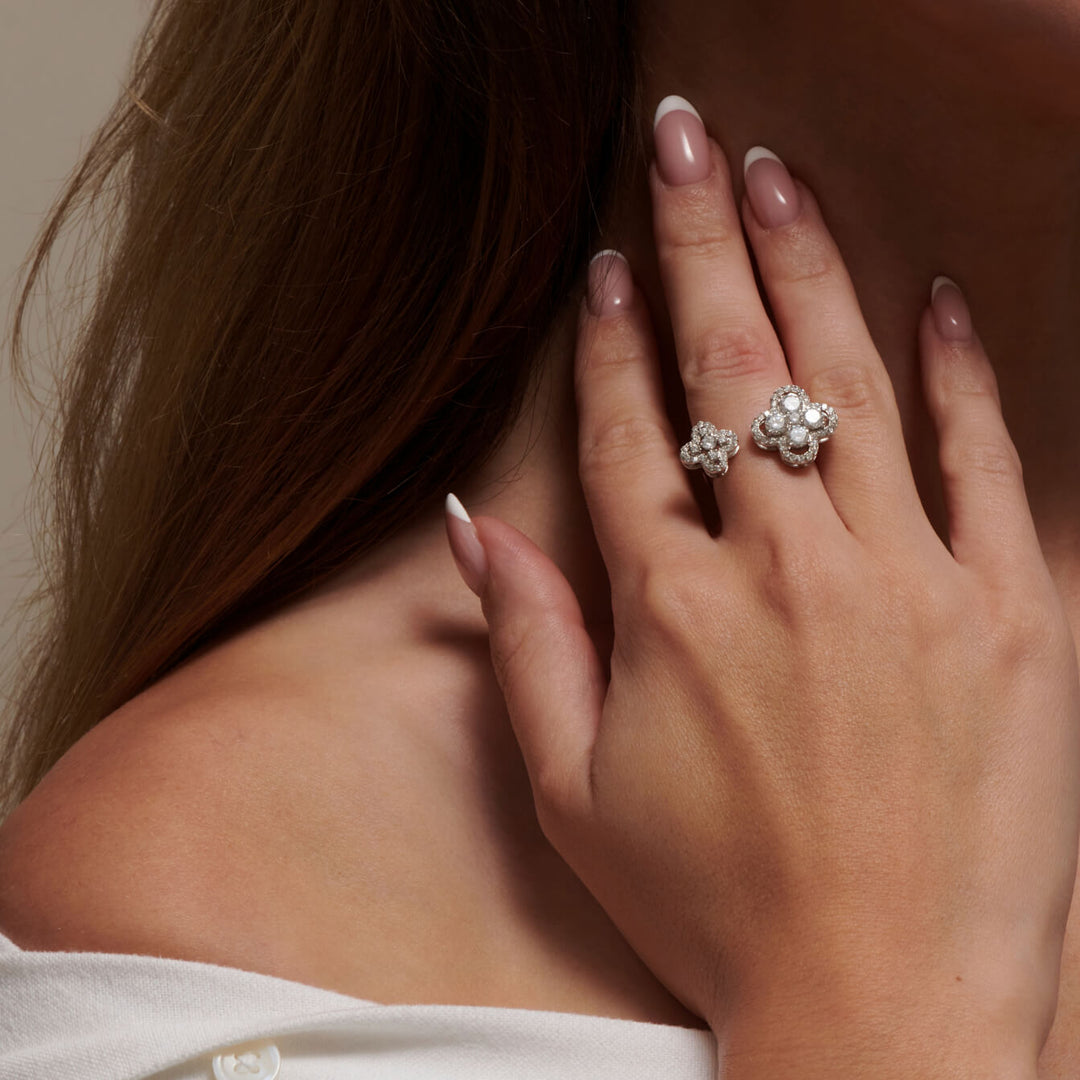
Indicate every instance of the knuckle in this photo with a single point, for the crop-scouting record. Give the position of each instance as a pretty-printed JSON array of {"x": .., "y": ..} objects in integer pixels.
[
  {"x": 940, "y": 608},
  {"x": 512, "y": 656},
  {"x": 615, "y": 443},
  {"x": 611, "y": 347},
  {"x": 799, "y": 577},
  {"x": 805, "y": 259},
  {"x": 733, "y": 352},
  {"x": 1029, "y": 627},
  {"x": 669, "y": 600},
  {"x": 909, "y": 601},
  {"x": 696, "y": 231},
  {"x": 962, "y": 458},
  {"x": 556, "y": 799},
  {"x": 965, "y": 377},
  {"x": 556, "y": 790},
  {"x": 698, "y": 241},
  {"x": 852, "y": 388}
]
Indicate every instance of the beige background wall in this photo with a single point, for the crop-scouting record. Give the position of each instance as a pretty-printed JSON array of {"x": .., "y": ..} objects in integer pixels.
[{"x": 61, "y": 65}]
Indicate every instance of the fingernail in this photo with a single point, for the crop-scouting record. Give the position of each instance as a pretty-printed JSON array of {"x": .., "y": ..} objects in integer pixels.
[
  {"x": 465, "y": 545},
  {"x": 773, "y": 195},
  {"x": 682, "y": 147},
  {"x": 951, "y": 313},
  {"x": 611, "y": 285}
]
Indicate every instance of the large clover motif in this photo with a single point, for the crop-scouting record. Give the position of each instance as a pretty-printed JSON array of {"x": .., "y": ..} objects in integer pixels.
[
  {"x": 709, "y": 448},
  {"x": 794, "y": 425}
]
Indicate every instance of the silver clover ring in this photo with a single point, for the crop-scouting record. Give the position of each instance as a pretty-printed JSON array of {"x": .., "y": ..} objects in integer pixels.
[
  {"x": 794, "y": 425},
  {"x": 709, "y": 448}
]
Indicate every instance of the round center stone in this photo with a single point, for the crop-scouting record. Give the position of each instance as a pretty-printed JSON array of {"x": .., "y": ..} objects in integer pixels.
[
  {"x": 798, "y": 435},
  {"x": 813, "y": 417},
  {"x": 774, "y": 423},
  {"x": 708, "y": 442},
  {"x": 792, "y": 402}
]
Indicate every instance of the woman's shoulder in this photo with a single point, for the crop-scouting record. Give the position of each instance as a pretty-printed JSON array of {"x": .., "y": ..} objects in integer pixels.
[
  {"x": 209, "y": 820},
  {"x": 116, "y": 848}
]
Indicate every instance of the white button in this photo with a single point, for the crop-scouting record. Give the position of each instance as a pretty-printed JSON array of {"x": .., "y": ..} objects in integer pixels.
[{"x": 255, "y": 1061}]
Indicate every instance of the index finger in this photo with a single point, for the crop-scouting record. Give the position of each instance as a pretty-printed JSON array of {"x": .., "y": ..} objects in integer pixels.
[{"x": 638, "y": 493}]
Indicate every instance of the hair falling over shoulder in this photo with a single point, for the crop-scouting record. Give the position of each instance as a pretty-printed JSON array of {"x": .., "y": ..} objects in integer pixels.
[{"x": 332, "y": 234}]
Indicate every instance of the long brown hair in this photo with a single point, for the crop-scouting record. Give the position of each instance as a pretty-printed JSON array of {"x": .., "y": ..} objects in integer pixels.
[{"x": 335, "y": 232}]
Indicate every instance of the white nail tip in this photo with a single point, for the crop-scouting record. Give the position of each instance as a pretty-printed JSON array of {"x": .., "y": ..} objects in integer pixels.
[
  {"x": 453, "y": 506},
  {"x": 755, "y": 153},
  {"x": 940, "y": 280},
  {"x": 670, "y": 104},
  {"x": 610, "y": 251}
]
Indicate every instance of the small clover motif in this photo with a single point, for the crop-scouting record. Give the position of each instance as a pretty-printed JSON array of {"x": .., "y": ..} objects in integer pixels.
[
  {"x": 794, "y": 425},
  {"x": 709, "y": 448}
]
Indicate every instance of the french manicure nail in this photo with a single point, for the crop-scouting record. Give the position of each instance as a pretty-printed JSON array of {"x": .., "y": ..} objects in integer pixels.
[
  {"x": 951, "y": 313},
  {"x": 682, "y": 147},
  {"x": 774, "y": 198},
  {"x": 465, "y": 545},
  {"x": 611, "y": 285}
]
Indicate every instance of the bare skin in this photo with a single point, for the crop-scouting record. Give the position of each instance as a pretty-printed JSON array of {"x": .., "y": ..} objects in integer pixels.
[{"x": 377, "y": 772}]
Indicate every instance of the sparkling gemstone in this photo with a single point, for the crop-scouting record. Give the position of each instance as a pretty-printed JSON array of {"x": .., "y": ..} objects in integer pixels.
[
  {"x": 714, "y": 455},
  {"x": 774, "y": 423},
  {"x": 798, "y": 435},
  {"x": 708, "y": 442},
  {"x": 814, "y": 417},
  {"x": 791, "y": 402}
]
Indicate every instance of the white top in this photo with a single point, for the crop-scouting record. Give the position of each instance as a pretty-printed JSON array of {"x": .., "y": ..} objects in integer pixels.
[{"x": 115, "y": 1016}]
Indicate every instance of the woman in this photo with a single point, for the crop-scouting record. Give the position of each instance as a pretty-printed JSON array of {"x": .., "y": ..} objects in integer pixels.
[{"x": 830, "y": 821}]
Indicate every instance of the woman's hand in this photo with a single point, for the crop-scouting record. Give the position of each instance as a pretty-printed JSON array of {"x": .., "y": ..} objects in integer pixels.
[{"x": 833, "y": 783}]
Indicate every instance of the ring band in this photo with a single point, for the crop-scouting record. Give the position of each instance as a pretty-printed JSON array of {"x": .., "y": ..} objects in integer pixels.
[
  {"x": 794, "y": 425},
  {"x": 709, "y": 448}
]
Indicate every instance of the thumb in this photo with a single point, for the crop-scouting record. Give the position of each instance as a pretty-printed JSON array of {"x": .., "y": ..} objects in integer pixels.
[{"x": 544, "y": 659}]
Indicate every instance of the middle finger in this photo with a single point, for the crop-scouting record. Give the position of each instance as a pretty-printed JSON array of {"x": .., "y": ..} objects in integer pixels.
[{"x": 729, "y": 355}]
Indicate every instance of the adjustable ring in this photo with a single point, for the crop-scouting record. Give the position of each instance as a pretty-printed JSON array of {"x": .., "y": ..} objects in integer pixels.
[
  {"x": 794, "y": 425},
  {"x": 709, "y": 448}
]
